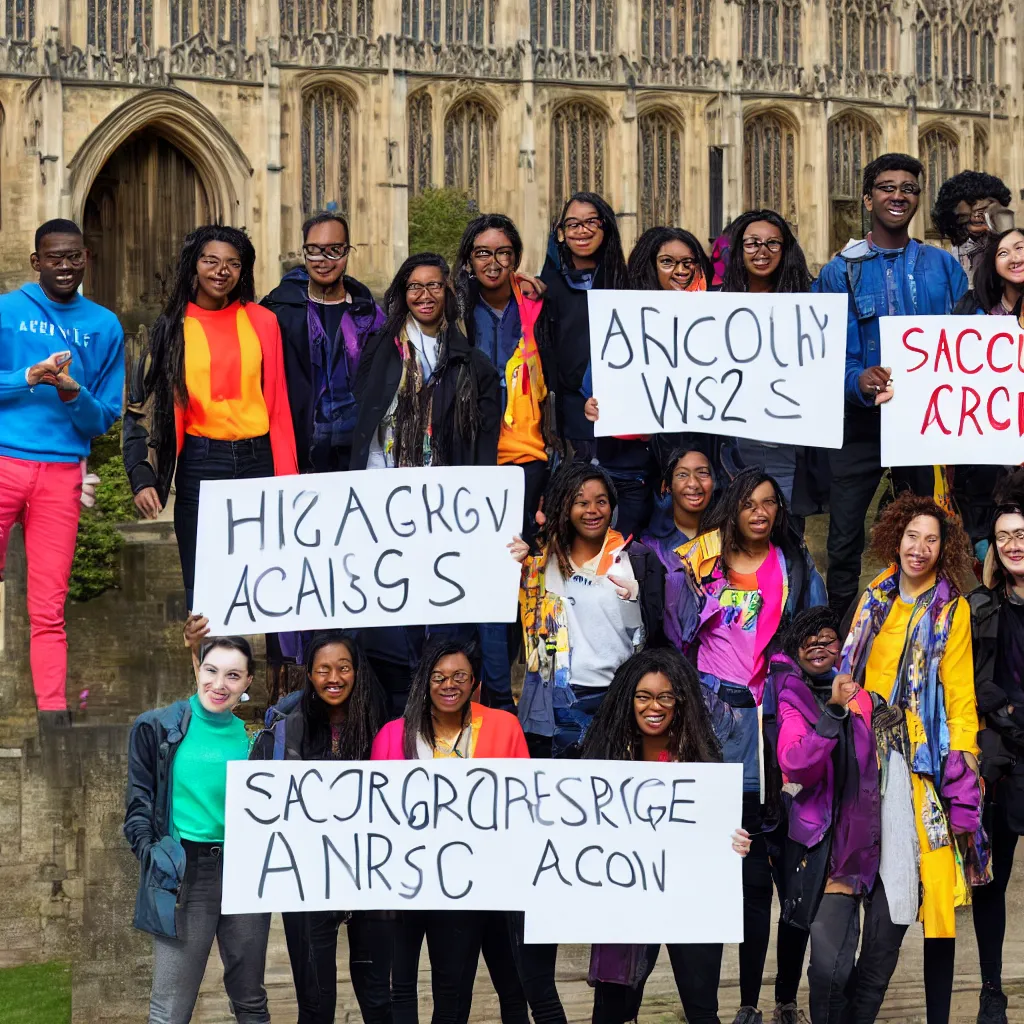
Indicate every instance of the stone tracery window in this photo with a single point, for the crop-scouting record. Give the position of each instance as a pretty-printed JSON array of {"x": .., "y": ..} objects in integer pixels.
[
  {"x": 675, "y": 28},
  {"x": 19, "y": 19},
  {"x": 980, "y": 149},
  {"x": 940, "y": 154},
  {"x": 471, "y": 150},
  {"x": 956, "y": 42},
  {"x": 579, "y": 136},
  {"x": 218, "y": 20},
  {"x": 421, "y": 139},
  {"x": 584, "y": 25},
  {"x": 301, "y": 18},
  {"x": 115, "y": 25},
  {"x": 860, "y": 36},
  {"x": 452, "y": 21},
  {"x": 771, "y": 31},
  {"x": 853, "y": 142},
  {"x": 769, "y": 165},
  {"x": 326, "y": 145},
  {"x": 660, "y": 158}
]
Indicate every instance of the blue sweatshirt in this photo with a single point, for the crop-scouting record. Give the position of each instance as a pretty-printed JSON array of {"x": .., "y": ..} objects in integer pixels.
[{"x": 34, "y": 423}]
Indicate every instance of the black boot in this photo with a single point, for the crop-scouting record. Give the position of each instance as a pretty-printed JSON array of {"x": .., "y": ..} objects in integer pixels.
[{"x": 991, "y": 1006}]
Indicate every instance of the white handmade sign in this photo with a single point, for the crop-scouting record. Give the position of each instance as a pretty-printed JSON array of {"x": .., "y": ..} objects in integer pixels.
[
  {"x": 371, "y": 548},
  {"x": 767, "y": 367},
  {"x": 592, "y": 851},
  {"x": 958, "y": 390}
]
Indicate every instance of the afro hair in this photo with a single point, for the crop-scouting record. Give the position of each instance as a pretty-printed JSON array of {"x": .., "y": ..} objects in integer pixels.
[{"x": 969, "y": 187}]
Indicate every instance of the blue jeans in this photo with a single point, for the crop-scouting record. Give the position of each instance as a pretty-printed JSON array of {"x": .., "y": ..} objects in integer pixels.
[
  {"x": 573, "y": 718},
  {"x": 497, "y": 666}
]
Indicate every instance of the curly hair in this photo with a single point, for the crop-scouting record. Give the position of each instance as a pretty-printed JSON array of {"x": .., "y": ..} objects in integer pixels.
[
  {"x": 954, "y": 548},
  {"x": 558, "y": 533},
  {"x": 965, "y": 187},
  {"x": 614, "y": 734},
  {"x": 809, "y": 622},
  {"x": 791, "y": 275},
  {"x": 610, "y": 259},
  {"x": 989, "y": 287},
  {"x": 642, "y": 268}
]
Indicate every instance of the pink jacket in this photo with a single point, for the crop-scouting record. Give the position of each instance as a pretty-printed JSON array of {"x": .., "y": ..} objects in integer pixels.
[{"x": 495, "y": 734}]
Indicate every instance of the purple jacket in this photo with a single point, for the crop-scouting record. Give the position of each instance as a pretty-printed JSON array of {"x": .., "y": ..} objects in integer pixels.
[{"x": 807, "y": 737}]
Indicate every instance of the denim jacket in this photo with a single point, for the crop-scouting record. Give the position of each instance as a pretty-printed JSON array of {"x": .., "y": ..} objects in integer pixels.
[{"x": 927, "y": 280}]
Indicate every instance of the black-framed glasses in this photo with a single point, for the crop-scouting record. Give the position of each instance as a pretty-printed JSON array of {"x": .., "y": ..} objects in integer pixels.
[
  {"x": 751, "y": 245},
  {"x": 670, "y": 263},
  {"x": 327, "y": 252},
  {"x": 908, "y": 188},
  {"x": 663, "y": 700},
  {"x": 414, "y": 290},
  {"x": 75, "y": 258},
  {"x": 460, "y": 678},
  {"x": 503, "y": 257},
  {"x": 818, "y": 643},
  {"x": 590, "y": 225}
]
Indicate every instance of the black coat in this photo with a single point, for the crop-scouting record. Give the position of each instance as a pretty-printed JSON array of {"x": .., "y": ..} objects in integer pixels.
[
  {"x": 289, "y": 303},
  {"x": 380, "y": 372}
]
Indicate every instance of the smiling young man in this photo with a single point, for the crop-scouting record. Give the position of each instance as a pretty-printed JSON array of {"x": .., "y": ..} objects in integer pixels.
[
  {"x": 886, "y": 274},
  {"x": 61, "y": 383}
]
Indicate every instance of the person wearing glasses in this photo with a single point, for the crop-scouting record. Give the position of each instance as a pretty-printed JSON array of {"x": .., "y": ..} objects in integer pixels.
[
  {"x": 61, "y": 384},
  {"x": 740, "y": 583},
  {"x": 997, "y": 628},
  {"x": 886, "y": 274},
  {"x": 326, "y": 318}
]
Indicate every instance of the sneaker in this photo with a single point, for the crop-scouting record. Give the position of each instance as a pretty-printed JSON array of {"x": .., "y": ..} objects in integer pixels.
[
  {"x": 991, "y": 1006},
  {"x": 748, "y": 1015},
  {"x": 788, "y": 1013}
]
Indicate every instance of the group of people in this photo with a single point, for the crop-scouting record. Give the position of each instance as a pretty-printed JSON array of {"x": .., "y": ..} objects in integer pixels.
[{"x": 670, "y": 610}]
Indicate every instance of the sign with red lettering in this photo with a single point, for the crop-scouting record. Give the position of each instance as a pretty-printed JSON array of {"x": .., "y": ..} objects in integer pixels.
[{"x": 958, "y": 384}]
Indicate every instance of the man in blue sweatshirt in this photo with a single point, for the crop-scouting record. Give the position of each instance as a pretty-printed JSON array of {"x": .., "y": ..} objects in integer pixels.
[{"x": 61, "y": 384}]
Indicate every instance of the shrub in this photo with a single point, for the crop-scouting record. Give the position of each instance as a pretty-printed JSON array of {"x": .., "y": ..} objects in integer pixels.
[{"x": 437, "y": 218}]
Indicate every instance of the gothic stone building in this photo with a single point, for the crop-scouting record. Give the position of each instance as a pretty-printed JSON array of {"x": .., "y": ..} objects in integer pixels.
[{"x": 142, "y": 118}]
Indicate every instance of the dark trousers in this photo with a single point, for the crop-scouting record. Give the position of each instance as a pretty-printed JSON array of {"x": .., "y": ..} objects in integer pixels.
[
  {"x": 856, "y": 472},
  {"x": 536, "y": 966},
  {"x": 759, "y": 881},
  {"x": 453, "y": 944},
  {"x": 989, "y": 901},
  {"x": 203, "y": 459},
  {"x": 697, "y": 967},
  {"x": 499, "y": 957},
  {"x": 842, "y": 991},
  {"x": 312, "y": 940},
  {"x": 536, "y": 479},
  {"x": 396, "y": 680}
]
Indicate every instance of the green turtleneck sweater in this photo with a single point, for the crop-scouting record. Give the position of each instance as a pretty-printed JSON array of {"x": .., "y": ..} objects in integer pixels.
[{"x": 199, "y": 776}]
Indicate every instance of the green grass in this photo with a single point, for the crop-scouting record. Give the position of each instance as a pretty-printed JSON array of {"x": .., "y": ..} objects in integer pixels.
[{"x": 36, "y": 994}]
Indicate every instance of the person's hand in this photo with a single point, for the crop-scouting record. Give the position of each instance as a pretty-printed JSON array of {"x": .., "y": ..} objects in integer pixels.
[
  {"x": 874, "y": 381},
  {"x": 197, "y": 628},
  {"x": 49, "y": 369},
  {"x": 89, "y": 484},
  {"x": 741, "y": 841},
  {"x": 538, "y": 517},
  {"x": 147, "y": 501},
  {"x": 626, "y": 589},
  {"x": 591, "y": 411},
  {"x": 519, "y": 549},
  {"x": 885, "y": 394},
  {"x": 532, "y": 287},
  {"x": 844, "y": 689}
]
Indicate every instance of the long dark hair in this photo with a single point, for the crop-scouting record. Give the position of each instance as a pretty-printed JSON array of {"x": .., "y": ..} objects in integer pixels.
[
  {"x": 366, "y": 705},
  {"x": 642, "y": 267},
  {"x": 611, "y": 261},
  {"x": 724, "y": 515},
  {"x": 558, "y": 532},
  {"x": 988, "y": 285},
  {"x": 165, "y": 374},
  {"x": 418, "y": 717},
  {"x": 791, "y": 275},
  {"x": 614, "y": 735},
  {"x": 485, "y": 222}
]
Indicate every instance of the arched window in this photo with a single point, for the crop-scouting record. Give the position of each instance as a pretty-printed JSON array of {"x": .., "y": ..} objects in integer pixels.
[
  {"x": 956, "y": 43},
  {"x": 116, "y": 25},
  {"x": 860, "y": 35},
  {"x": 578, "y": 141},
  {"x": 853, "y": 142},
  {"x": 675, "y": 28},
  {"x": 216, "y": 19},
  {"x": 940, "y": 154},
  {"x": 451, "y": 21},
  {"x": 585, "y": 25},
  {"x": 771, "y": 31},
  {"x": 980, "y": 148},
  {"x": 421, "y": 141},
  {"x": 769, "y": 165},
  {"x": 302, "y": 18},
  {"x": 19, "y": 20},
  {"x": 660, "y": 156},
  {"x": 327, "y": 119},
  {"x": 471, "y": 150}
]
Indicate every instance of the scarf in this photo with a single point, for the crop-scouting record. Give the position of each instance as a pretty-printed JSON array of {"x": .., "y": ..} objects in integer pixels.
[{"x": 408, "y": 426}]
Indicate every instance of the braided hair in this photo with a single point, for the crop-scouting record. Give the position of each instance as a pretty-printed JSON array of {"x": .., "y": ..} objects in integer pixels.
[
  {"x": 642, "y": 267},
  {"x": 791, "y": 275},
  {"x": 558, "y": 533},
  {"x": 614, "y": 734},
  {"x": 809, "y": 622},
  {"x": 165, "y": 373}
]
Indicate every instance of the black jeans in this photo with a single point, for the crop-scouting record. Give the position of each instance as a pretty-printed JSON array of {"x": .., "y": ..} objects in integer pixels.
[
  {"x": 312, "y": 940},
  {"x": 697, "y": 968},
  {"x": 536, "y": 474},
  {"x": 453, "y": 943},
  {"x": 856, "y": 472},
  {"x": 843, "y": 992},
  {"x": 501, "y": 966},
  {"x": 203, "y": 459},
  {"x": 536, "y": 966}
]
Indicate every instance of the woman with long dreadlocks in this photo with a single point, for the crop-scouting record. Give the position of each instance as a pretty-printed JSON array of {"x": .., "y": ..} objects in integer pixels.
[
  {"x": 740, "y": 582},
  {"x": 654, "y": 712},
  {"x": 334, "y": 718},
  {"x": 588, "y": 602},
  {"x": 214, "y": 374}
]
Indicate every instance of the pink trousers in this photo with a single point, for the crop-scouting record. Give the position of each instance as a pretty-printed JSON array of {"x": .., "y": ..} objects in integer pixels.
[{"x": 45, "y": 498}]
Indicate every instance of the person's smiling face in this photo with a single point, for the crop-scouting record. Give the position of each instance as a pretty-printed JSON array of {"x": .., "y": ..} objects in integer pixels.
[{"x": 654, "y": 704}]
